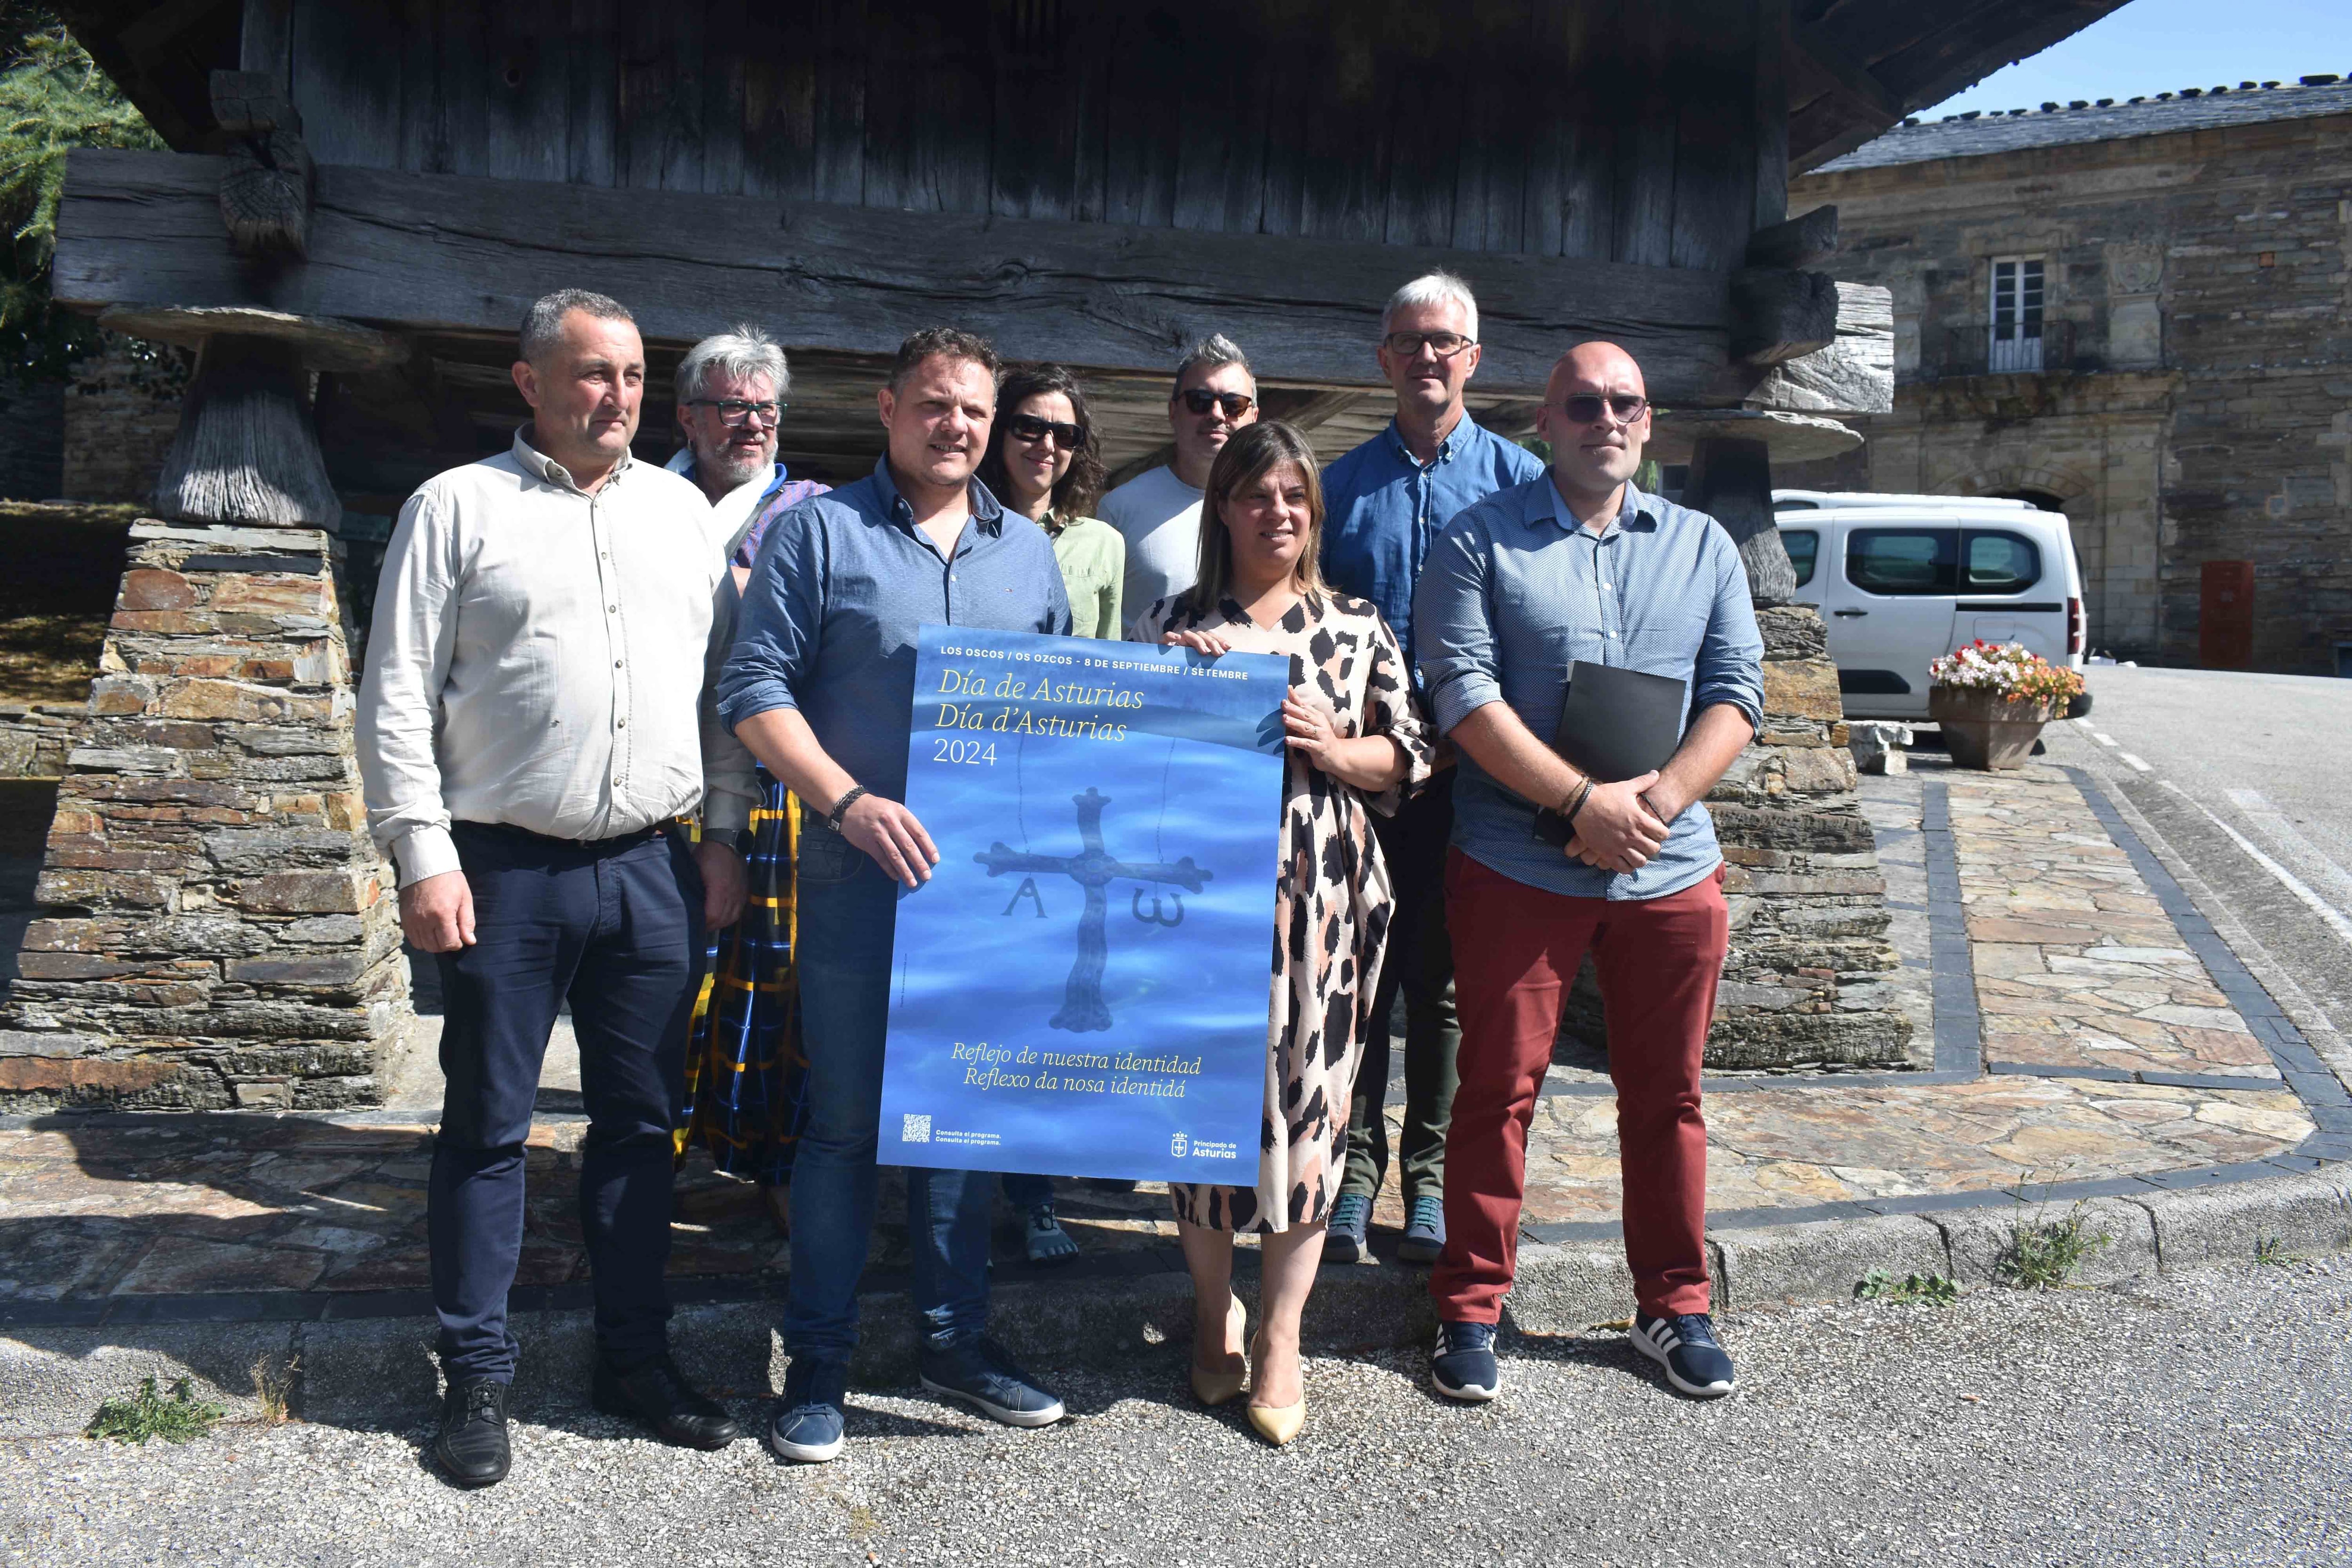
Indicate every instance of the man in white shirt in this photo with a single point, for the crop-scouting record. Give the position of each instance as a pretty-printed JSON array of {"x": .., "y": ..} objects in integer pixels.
[
  {"x": 1160, "y": 512},
  {"x": 730, "y": 389},
  {"x": 530, "y": 727}
]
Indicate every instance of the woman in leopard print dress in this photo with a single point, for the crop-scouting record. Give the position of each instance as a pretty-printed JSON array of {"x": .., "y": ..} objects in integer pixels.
[{"x": 1357, "y": 741}]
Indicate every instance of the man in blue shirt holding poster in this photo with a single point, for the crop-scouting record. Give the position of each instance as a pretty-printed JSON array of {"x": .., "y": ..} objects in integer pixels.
[
  {"x": 1387, "y": 500},
  {"x": 820, "y": 687}
]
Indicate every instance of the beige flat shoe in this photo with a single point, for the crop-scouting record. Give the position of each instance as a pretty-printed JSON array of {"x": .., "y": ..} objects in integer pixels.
[
  {"x": 1278, "y": 1424},
  {"x": 1217, "y": 1387}
]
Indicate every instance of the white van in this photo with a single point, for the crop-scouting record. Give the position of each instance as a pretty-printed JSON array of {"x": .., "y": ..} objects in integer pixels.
[{"x": 1904, "y": 580}]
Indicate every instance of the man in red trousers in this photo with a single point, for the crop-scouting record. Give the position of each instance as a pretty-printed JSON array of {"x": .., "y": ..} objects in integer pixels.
[{"x": 1579, "y": 564}]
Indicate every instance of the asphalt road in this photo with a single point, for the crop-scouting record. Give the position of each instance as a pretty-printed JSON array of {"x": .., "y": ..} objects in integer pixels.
[
  {"x": 2248, "y": 779},
  {"x": 2199, "y": 1420}
]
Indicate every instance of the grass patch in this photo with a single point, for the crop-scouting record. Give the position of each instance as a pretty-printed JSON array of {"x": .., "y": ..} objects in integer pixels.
[
  {"x": 1909, "y": 1290},
  {"x": 2045, "y": 1253},
  {"x": 2272, "y": 1249},
  {"x": 273, "y": 1385},
  {"x": 147, "y": 1414}
]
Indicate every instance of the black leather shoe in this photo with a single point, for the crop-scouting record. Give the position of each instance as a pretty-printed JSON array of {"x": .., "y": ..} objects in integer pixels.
[
  {"x": 653, "y": 1392},
  {"x": 472, "y": 1448}
]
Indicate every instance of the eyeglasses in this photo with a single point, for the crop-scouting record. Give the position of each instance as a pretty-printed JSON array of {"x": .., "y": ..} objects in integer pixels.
[
  {"x": 1030, "y": 428},
  {"x": 1585, "y": 408},
  {"x": 1445, "y": 346},
  {"x": 736, "y": 411},
  {"x": 1200, "y": 400}
]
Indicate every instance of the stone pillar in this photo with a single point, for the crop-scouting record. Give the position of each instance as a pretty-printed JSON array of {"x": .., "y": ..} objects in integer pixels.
[
  {"x": 1805, "y": 981},
  {"x": 218, "y": 931}
]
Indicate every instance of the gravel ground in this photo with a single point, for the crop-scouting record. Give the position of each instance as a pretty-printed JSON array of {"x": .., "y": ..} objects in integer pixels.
[{"x": 2198, "y": 1419}]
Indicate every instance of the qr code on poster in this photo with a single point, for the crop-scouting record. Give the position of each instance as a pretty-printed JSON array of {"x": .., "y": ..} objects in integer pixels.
[{"x": 915, "y": 1130}]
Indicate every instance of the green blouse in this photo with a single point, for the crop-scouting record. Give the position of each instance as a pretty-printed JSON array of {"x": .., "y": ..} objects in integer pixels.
[{"x": 1093, "y": 556}]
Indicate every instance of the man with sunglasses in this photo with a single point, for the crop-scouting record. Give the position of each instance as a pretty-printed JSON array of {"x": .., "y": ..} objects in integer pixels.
[
  {"x": 1581, "y": 565},
  {"x": 1387, "y": 500},
  {"x": 731, "y": 387},
  {"x": 1160, "y": 512}
]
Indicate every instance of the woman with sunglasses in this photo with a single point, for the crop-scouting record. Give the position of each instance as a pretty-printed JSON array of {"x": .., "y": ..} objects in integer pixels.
[
  {"x": 1357, "y": 744},
  {"x": 1043, "y": 462}
]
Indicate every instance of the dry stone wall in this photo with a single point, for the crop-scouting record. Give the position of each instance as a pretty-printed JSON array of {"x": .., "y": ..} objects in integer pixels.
[
  {"x": 1805, "y": 982},
  {"x": 217, "y": 931}
]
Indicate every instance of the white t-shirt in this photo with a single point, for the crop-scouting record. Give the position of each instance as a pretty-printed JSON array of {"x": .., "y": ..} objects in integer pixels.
[{"x": 1160, "y": 515}]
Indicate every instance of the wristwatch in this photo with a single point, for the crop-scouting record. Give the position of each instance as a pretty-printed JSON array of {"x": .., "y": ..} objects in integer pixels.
[{"x": 738, "y": 839}]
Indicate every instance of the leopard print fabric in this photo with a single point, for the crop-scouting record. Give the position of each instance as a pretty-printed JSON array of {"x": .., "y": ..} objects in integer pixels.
[{"x": 1331, "y": 900}]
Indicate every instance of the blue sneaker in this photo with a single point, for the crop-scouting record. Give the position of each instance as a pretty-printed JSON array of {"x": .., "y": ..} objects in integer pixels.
[
  {"x": 1462, "y": 1365},
  {"x": 978, "y": 1372},
  {"x": 1685, "y": 1344},
  {"x": 1424, "y": 1231},
  {"x": 806, "y": 1426},
  {"x": 1343, "y": 1238}
]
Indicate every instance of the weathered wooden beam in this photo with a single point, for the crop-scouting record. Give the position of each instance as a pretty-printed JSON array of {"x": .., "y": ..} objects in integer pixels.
[
  {"x": 1807, "y": 240},
  {"x": 446, "y": 254},
  {"x": 1852, "y": 76},
  {"x": 1854, "y": 374},
  {"x": 1731, "y": 482},
  {"x": 265, "y": 192},
  {"x": 1777, "y": 315}
]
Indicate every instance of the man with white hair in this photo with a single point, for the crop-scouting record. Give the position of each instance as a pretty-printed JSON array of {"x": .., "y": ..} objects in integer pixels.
[
  {"x": 731, "y": 391},
  {"x": 1160, "y": 512},
  {"x": 1387, "y": 500}
]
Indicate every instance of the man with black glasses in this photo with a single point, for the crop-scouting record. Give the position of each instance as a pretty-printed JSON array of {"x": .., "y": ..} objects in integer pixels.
[
  {"x": 1160, "y": 512},
  {"x": 1581, "y": 566},
  {"x": 730, "y": 388},
  {"x": 1387, "y": 500}
]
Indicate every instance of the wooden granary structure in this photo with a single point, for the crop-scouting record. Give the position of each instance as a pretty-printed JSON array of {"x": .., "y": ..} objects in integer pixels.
[{"x": 363, "y": 195}]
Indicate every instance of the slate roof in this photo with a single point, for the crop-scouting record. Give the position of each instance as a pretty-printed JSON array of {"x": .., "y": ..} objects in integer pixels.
[{"x": 1916, "y": 142}]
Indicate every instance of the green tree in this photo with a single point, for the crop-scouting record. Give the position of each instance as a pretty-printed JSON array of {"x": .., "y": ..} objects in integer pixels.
[{"x": 52, "y": 99}]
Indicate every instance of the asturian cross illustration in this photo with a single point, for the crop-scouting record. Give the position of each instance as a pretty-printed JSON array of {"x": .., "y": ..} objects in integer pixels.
[{"x": 1083, "y": 1008}]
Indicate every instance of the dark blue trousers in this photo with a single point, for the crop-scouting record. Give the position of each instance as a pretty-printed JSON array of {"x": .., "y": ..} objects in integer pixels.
[{"x": 616, "y": 929}]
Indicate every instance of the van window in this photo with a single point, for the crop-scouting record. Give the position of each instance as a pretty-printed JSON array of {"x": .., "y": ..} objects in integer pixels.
[
  {"x": 2002, "y": 563},
  {"x": 1902, "y": 559},
  {"x": 1803, "y": 545}
]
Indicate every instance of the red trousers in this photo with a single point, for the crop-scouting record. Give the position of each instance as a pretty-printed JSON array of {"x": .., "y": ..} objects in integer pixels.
[{"x": 1516, "y": 952}]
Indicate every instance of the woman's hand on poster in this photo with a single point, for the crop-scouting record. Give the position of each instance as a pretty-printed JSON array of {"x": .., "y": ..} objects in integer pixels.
[
  {"x": 1209, "y": 643},
  {"x": 889, "y": 832},
  {"x": 1311, "y": 731}
]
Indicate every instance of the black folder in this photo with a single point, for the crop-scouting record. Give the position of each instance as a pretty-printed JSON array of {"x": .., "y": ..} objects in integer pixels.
[{"x": 1616, "y": 724}]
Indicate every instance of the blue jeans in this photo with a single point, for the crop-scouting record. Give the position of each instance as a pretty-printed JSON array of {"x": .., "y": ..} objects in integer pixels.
[
  {"x": 616, "y": 930},
  {"x": 848, "y": 910}
]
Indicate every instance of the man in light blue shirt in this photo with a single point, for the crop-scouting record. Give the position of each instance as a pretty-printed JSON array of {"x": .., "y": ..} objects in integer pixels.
[
  {"x": 1385, "y": 504},
  {"x": 1580, "y": 565},
  {"x": 820, "y": 687}
]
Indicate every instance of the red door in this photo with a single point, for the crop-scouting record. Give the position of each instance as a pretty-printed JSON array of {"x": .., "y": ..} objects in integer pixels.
[{"x": 2225, "y": 614}]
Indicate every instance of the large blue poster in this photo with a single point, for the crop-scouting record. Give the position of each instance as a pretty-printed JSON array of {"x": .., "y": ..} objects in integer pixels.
[{"x": 1081, "y": 988}]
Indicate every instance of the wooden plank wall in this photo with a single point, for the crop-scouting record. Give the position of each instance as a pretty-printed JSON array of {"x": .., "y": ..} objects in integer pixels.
[{"x": 1609, "y": 130}]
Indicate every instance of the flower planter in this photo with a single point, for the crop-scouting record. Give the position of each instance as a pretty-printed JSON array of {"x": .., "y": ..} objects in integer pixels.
[{"x": 1986, "y": 730}]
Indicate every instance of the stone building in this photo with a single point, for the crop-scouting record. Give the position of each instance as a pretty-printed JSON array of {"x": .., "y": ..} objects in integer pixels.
[{"x": 2140, "y": 312}]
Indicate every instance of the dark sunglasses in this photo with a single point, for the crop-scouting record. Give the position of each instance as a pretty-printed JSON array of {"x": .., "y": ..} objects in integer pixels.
[
  {"x": 1200, "y": 400},
  {"x": 1029, "y": 428},
  {"x": 1445, "y": 346},
  {"x": 1585, "y": 408}
]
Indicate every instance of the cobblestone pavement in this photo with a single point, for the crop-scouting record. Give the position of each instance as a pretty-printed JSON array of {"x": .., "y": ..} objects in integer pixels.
[
  {"x": 2077, "y": 971},
  {"x": 2197, "y": 1419}
]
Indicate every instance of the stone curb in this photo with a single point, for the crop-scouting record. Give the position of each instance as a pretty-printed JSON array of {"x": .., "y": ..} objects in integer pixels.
[{"x": 379, "y": 1372}]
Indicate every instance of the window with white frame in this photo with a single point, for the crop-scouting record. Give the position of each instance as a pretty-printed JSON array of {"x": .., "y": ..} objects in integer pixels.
[{"x": 2015, "y": 341}]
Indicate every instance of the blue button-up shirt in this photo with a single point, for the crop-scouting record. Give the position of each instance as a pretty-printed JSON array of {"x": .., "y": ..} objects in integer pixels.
[
  {"x": 1382, "y": 506},
  {"x": 842, "y": 583},
  {"x": 1515, "y": 592}
]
